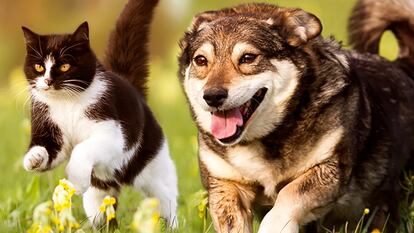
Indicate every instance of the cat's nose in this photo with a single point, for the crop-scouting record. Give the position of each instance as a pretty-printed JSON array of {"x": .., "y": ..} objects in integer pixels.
[{"x": 48, "y": 81}]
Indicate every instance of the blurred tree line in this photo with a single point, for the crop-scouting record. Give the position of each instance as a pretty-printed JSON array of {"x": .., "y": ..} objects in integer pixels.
[{"x": 171, "y": 20}]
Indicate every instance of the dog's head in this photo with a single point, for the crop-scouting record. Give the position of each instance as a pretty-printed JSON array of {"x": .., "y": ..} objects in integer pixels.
[{"x": 239, "y": 68}]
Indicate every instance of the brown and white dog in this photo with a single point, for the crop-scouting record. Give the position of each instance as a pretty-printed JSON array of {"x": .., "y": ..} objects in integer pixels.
[{"x": 290, "y": 121}]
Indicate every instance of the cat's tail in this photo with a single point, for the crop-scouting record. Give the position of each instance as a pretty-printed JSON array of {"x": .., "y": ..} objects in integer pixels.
[
  {"x": 127, "y": 53},
  {"x": 371, "y": 18}
]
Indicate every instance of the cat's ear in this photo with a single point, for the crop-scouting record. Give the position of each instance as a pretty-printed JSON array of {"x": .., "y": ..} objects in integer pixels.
[
  {"x": 81, "y": 33},
  {"x": 29, "y": 35}
]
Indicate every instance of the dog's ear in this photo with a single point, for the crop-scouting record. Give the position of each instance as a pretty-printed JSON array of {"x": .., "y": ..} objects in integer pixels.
[
  {"x": 296, "y": 26},
  {"x": 201, "y": 20}
]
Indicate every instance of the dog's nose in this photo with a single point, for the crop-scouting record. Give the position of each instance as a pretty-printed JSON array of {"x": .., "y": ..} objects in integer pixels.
[{"x": 215, "y": 97}]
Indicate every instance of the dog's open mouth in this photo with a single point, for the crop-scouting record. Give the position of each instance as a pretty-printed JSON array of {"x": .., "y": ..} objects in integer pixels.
[{"x": 228, "y": 125}]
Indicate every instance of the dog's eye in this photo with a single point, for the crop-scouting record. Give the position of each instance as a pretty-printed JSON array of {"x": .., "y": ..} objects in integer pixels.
[
  {"x": 200, "y": 60},
  {"x": 247, "y": 58}
]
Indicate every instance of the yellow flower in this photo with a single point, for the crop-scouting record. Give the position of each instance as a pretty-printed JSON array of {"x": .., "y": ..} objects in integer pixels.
[
  {"x": 74, "y": 225},
  {"x": 155, "y": 217},
  {"x": 109, "y": 217},
  {"x": 107, "y": 207},
  {"x": 110, "y": 213},
  {"x": 153, "y": 202},
  {"x": 201, "y": 201},
  {"x": 61, "y": 217},
  {"x": 147, "y": 216},
  {"x": 108, "y": 200},
  {"x": 102, "y": 208},
  {"x": 55, "y": 220},
  {"x": 376, "y": 230},
  {"x": 366, "y": 211},
  {"x": 67, "y": 186}
]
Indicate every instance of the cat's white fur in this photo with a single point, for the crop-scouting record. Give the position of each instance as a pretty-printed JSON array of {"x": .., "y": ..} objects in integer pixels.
[{"x": 98, "y": 146}]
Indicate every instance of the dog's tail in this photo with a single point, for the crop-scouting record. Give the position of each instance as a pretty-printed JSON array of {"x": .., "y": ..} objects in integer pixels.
[
  {"x": 371, "y": 18},
  {"x": 127, "y": 53}
]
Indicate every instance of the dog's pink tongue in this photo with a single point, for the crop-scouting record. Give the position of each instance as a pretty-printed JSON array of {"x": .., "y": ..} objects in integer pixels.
[{"x": 224, "y": 124}]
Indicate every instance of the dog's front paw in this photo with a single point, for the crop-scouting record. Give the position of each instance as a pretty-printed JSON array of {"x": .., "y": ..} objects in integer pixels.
[
  {"x": 278, "y": 223},
  {"x": 80, "y": 176},
  {"x": 36, "y": 159}
]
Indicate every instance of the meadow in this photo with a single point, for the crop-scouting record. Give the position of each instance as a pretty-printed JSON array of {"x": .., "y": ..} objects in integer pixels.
[{"x": 21, "y": 191}]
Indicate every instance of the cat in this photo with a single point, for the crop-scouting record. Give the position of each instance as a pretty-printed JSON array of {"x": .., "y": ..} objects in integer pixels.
[{"x": 95, "y": 114}]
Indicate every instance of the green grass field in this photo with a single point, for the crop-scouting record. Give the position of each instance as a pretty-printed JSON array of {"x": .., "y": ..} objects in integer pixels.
[{"x": 21, "y": 191}]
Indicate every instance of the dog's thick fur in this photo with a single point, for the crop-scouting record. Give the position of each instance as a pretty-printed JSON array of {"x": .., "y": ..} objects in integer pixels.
[{"x": 333, "y": 131}]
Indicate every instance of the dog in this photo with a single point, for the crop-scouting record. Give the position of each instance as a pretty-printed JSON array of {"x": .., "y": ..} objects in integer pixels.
[{"x": 291, "y": 123}]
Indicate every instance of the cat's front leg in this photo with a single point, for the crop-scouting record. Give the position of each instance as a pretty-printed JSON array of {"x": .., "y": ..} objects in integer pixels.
[
  {"x": 102, "y": 152},
  {"x": 46, "y": 149},
  {"x": 79, "y": 168},
  {"x": 36, "y": 159}
]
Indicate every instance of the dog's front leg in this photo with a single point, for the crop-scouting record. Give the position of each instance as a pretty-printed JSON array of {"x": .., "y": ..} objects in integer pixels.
[
  {"x": 230, "y": 206},
  {"x": 305, "y": 199}
]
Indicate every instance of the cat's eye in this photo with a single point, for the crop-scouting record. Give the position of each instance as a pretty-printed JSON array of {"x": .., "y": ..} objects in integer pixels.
[
  {"x": 247, "y": 58},
  {"x": 39, "y": 68},
  {"x": 64, "y": 67}
]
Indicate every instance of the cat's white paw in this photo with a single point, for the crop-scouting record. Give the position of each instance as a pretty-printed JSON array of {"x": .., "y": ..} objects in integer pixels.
[
  {"x": 79, "y": 175},
  {"x": 36, "y": 159}
]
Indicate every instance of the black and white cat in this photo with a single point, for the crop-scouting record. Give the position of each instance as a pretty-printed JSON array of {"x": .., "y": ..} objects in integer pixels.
[{"x": 96, "y": 115}]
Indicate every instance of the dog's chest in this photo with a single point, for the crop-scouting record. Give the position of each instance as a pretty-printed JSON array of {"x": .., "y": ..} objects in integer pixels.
[
  {"x": 244, "y": 164},
  {"x": 250, "y": 162}
]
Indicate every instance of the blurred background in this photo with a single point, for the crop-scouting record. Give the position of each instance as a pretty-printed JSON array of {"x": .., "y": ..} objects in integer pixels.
[{"x": 20, "y": 191}]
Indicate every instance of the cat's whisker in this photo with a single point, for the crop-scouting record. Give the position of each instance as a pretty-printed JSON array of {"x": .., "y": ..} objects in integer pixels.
[
  {"x": 68, "y": 55},
  {"x": 73, "y": 85},
  {"x": 34, "y": 50},
  {"x": 26, "y": 101},
  {"x": 23, "y": 90},
  {"x": 69, "y": 94},
  {"x": 70, "y": 47},
  {"x": 76, "y": 83},
  {"x": 40, "y": 46},
  {"x": 75, "y": 80},
  {"x": 34, "y": 56}
]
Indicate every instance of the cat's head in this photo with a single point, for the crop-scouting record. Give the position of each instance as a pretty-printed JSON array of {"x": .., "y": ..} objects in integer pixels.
[{"x": 59, "y": 63}]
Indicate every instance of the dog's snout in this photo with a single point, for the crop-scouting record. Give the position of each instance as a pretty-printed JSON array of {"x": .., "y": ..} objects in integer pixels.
[{"x": 215, "y": 97}]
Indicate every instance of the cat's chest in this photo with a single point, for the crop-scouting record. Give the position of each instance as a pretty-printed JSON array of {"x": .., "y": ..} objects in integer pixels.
[{"x": 72, "y": 120}]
